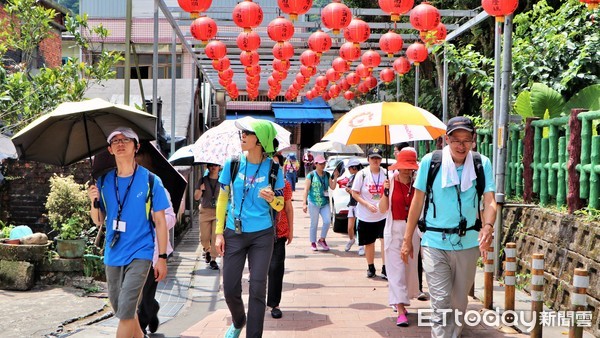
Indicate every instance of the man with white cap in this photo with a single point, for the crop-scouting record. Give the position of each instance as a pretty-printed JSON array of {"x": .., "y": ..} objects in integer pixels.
[{"x": 121, "y": 200}]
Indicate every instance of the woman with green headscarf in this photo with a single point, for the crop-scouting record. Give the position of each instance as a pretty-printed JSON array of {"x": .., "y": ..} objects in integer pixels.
[{"x": 245, "y": 228}]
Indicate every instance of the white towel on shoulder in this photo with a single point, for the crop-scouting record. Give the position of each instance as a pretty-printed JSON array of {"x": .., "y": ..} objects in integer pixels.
[{"x": 450, "y": 174}]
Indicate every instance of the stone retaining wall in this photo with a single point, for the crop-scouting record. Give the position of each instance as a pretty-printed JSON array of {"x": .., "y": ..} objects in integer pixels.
[{"x": 567, "y": 242}]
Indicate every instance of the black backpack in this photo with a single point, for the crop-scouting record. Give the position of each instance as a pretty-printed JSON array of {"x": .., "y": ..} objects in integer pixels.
[{"x": 434, "y": 167}]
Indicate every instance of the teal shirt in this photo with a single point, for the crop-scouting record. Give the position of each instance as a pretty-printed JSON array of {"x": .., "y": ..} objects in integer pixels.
[
  {"x": 255, "y": 212},
  {"x": 318, "y": 186},
  {"x": 447, "y": 210}
]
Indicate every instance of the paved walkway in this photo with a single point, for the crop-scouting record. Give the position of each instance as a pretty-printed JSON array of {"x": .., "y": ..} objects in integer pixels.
[{"x": 327, "y": 294}]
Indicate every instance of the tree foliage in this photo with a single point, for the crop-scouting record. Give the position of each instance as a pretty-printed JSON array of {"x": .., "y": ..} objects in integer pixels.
[{"x": 26, "y": 92}]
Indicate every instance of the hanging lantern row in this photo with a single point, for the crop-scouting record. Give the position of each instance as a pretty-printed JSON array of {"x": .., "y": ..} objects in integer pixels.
[{"x": 500, "y": 9}]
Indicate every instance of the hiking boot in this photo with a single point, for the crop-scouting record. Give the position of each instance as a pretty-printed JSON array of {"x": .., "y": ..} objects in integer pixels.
[
  {"x": 350, "y": 244},
  {"x": 232, "y": 332},
  {"x": 313, "y": 246},
  {"x": 213, "y": 265},
  {"x": 323, "y": 245},
  {"x": 402, "y": 320},
  {"x": 207, "y": 257},
  {"x": 361, "y": 250}
]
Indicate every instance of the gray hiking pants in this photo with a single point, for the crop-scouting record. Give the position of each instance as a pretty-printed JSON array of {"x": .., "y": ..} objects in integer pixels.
[{"x": 450, "y": 276}]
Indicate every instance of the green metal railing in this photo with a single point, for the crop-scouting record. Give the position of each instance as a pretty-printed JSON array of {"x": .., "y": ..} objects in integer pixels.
[{"x": 552, "y": 149}]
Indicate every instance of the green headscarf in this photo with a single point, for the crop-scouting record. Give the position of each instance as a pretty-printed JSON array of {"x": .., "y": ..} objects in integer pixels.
[{"x": 265, "y": 132}]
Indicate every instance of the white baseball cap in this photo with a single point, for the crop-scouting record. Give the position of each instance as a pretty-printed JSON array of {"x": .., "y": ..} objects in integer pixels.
[{"x": 127, "y": 132}]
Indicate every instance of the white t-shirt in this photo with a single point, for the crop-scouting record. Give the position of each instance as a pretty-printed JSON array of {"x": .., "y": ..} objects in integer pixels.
[{"x": 370, "y": 187}]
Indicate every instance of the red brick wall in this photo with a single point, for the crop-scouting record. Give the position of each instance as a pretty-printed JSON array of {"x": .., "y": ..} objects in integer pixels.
[
  {"x": 51, "y": 50},
  {"x": 23, "y": 195}
]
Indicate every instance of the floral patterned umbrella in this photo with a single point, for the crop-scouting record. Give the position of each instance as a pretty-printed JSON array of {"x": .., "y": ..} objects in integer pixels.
[{"x": 221, "y": 142}]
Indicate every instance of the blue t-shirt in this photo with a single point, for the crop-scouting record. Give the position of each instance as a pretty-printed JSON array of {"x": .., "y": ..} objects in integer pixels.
[
  {"x": 251, "y": 178},
  {"x": 137, "y": 241},
  {"x": 319, "y": 188},
  {"x": 447, "y": 210}
]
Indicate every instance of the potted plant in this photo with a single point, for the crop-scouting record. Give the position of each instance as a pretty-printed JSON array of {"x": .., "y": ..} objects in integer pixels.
[{"x": 68, "y": 208}]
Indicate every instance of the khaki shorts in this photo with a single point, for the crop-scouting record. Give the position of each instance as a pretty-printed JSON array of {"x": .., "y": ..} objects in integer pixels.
[{"x": 125, "y": 284}]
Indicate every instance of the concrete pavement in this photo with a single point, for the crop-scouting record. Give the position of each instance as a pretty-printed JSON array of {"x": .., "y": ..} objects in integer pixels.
[{"x": 325, "y": 294}]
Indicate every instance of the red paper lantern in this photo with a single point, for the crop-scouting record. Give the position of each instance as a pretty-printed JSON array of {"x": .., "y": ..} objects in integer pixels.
[
  {"x": 344, "y": 85},
  {"x": 194, "y": 7},
  {"x": 371, "y": 59},
  {"x": 321, "y": 81},
  {"x": 227, "y": 74},
  {"x": 249, "y": 58},
  {"x": 272, "y": 95},
  {"x": 363, "y": 88},
  {"x": 387, "y": 75},
  {"x": 247, "y": 15},
  {"x": 294, "y": 7},
  {"x": 391, "y": 43},
  {"x": 232, "y": 87},
  {"x": 332, "y": 75},
  {"x": 334, "y": 90},
  {"x": 309, "y": 95},
  {"x": 424, "y": 17},
  {"x": 591, "y": 4},
  {"x": 221, "y": 64},
  {"x": 340, "y": 65},
  {"x": 349, "y": 95},
  {"x": 272, "y": 82},
  {"x": 215, "y": 50},
  {"x": 307, "y": 72},
  {"x": 357, "y": 31},
  {"x": 319, "y": 42},
  {"x": 300, "y": 79},
  {"x": 326, "y": 96},
  {"x": 279, "y": 76},
  {"x": 349, "y": 52},
  {"x": 283, "y": 51},
  {"x": 362, "y": 71},
  {"x": 396, "y": 7},
  {"x": 336, "y": 16},
  {"x": 280, "y": 29},
  {"x": 435, "y": 36},
  {"x": 203, "y": 29},
  {"x": 281, "y": 65},
  {"x": 309, "y": 58},
  {"x": 352, "y": 78},
  {"x": 224, "y": 82},
  {"x": 253, "y": 70},
  {"x": 371, "y": 81},
  {"x": 248, "y": 41},
  {"x": 417, "y": 53},
  {"x": 401, "y": 65},
  {"x": 501, "y": 8}
]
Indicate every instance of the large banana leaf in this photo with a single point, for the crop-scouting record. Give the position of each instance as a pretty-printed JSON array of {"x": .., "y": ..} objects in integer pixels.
[
  {"x": 545, "y": 98},
  {"x": 587, "y": 98},
  {"x": 523, "y": 104}
]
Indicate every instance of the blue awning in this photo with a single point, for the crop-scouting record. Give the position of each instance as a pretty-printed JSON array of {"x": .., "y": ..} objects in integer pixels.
[
  {"x": 295, "y": 115},
  {"x": 256, "y": 116}
]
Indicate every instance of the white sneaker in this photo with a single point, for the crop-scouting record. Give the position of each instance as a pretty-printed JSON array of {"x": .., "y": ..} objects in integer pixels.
[
  {"x": 350, "y": 244},
  {"x": 361, "y": 250}
]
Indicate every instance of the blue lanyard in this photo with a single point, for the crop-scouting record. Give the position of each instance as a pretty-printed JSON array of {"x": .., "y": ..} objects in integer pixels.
[{"x": 126, "y": 193}]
